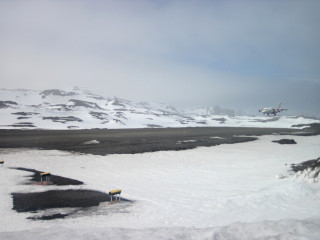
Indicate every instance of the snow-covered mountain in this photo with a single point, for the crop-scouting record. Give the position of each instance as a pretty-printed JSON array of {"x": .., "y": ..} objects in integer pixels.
[{"x": 83, "y": 109}]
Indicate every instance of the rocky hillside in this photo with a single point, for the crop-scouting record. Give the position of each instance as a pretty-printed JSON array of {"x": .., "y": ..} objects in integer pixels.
[{"x": 82, "y": 109}]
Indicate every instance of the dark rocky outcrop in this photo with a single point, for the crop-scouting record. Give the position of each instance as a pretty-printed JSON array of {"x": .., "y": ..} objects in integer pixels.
[
  {"x": 99, "y": 115},
  {"x": 25, "y": 113},
  {"x": 312, "y": 164},
  {"x": 7, "y": 104},
  {"x": 63, "y": 119},
  {"x": 285, "y": 141},
  {"x": 86, "y": 104},
  {"x": 54, "y": 179},
  {"x": 56, "y": 92}
]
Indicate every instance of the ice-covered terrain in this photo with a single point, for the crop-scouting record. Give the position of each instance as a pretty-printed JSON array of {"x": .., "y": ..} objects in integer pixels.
[
  {"x": 82, "y": 109},
  {"x": 234, "y": 191}
]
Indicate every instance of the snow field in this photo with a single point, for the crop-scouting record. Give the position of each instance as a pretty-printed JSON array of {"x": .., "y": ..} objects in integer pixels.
[
  {"x": 226, "y": 190},
  {"x": 268, "y": 230}
]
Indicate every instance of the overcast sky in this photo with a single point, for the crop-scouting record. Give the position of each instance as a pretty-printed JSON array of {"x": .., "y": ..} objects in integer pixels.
[{"x": 237, "y": 54}]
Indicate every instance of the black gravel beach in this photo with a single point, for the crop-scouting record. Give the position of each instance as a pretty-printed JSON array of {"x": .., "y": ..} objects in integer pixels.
[{"x": 119, "y": 141}]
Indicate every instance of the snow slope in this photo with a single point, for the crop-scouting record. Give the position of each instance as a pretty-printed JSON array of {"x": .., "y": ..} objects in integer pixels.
[
  {"x": 82, "y": 109},
  {"x": 222, "y": 192}
]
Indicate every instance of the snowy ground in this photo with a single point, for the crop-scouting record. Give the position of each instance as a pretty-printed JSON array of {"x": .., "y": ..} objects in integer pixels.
[{"x": 223, "y": 192}]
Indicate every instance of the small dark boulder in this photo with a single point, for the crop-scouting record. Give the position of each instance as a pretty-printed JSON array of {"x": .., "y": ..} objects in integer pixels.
[{"x": 285, "y": 141}]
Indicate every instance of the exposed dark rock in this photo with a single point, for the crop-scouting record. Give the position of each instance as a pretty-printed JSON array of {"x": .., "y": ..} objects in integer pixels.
[
  {"x": 202, "y": 122},
  {"x": 120, "y": 115},
  {"x": 137, "y": 112},
  {"x": 153, "y": 126},
  {"x": 56, "y": 92},
  {"x": 300, "y": 125},
  {"x": 60, "y": 107},
  {"x": 312, "y": 164},
  {"x": 118, "y": 121},
  {"x": 99, "y": 115},
  {"x": 63, "y": 119},
  {"x": 49, "y": 217},
  {"x": 86, "y": 104},
  {"x": 73, "y": 127},
  {"x": 35, "y": 106},
  {"x": 166, "y": 113},
  {"x": 25, "y": 113},
  {"x": 28, "y": 202},
  {"x": 94, "y": 96},
  {"x": 182, "y": 121},
  {"x": 54, "y": 179},
  {"x": 313, "y": 128},
  {"x": 189, "y": 118},
  {"x": 118, "y": 102},
  {"x": 220, "y": 120},
  {"x": 23, "y": 124},
  {"x": 19, "y": 118},
  {"x": 7, "y": 104},
  {"x": 171, "y": 108},
  {"x": 285, "y": 141}
]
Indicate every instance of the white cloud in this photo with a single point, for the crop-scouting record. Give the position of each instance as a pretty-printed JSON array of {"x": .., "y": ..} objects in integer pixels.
[{"x": 178, "y": 51}]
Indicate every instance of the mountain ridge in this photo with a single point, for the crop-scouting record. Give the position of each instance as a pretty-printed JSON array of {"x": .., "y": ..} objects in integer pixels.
[{"x": 83, "y": 109}]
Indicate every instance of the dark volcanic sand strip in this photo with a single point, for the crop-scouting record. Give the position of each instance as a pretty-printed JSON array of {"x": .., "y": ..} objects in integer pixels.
[
  {"x": 137, "y": 140},
  {"x": 28, "y": 202}
]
